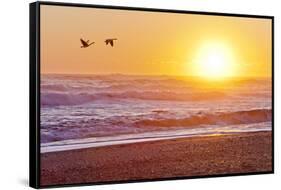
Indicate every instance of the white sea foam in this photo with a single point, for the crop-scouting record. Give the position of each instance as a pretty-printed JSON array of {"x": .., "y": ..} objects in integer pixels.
[{"x": 151, "y": 136}]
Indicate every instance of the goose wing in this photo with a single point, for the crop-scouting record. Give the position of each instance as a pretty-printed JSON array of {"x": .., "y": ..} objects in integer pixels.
[{"x": 83, "y": 42}]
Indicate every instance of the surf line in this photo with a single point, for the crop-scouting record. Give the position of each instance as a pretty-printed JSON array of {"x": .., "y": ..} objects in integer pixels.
[{"x": 53, "y": 147}]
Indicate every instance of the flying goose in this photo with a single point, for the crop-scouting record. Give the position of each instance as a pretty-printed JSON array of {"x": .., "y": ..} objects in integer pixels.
[
  {"x": 110, "y": 41},
  {"x": 85, "y": 44}
]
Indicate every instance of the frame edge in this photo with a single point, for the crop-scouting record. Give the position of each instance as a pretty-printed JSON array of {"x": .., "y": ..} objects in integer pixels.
[{"x": 33, "y": 119}]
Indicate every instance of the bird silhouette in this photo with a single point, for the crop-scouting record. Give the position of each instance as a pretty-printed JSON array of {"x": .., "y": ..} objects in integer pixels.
[
  {"x": 110, "y": 41},
  {"x": 85, "y": 44}
]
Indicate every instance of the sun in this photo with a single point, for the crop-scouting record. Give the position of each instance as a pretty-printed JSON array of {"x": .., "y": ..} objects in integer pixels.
[{"x": 214, "y": 61}]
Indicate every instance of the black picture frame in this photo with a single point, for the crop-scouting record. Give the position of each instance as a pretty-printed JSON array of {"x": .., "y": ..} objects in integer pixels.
[{"x": 34, "y": 89}]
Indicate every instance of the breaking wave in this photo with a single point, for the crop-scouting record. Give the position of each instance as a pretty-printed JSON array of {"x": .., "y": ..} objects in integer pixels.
[
  {"x": 223, "y": 118},
  {"x": 58, "y": 98}
]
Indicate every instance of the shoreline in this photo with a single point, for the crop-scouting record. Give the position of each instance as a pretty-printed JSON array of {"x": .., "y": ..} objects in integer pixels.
[
  {"x": 180, "y": 157},
  {"x": 77, "y": 144}
]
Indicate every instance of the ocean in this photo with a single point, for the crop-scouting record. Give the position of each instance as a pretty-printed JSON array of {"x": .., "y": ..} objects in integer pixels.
[{"x": 80, "y": 111}]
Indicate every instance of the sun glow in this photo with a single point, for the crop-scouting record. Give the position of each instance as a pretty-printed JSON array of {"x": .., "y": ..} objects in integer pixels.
[{"x": 214, "y": 61}]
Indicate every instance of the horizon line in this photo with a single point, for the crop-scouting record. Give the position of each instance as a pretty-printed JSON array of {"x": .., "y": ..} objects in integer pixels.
[{"x": 171, "y": 75}]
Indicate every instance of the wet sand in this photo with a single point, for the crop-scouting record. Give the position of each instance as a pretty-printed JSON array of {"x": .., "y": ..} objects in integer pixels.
[{"x": 196, "y": 156}]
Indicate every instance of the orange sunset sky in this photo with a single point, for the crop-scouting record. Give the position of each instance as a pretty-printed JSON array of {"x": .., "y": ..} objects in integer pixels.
[{"x": 151, "y": 43}]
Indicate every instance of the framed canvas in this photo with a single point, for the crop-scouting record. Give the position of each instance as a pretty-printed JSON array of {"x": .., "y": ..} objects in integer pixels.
[{"x": 123, "y": 94}]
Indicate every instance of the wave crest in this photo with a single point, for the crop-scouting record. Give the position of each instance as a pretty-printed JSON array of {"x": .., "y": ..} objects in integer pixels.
[
  {"x": 57, "y": 98},
  {"x": 230, "y": 118}
]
